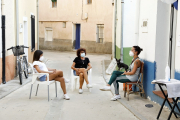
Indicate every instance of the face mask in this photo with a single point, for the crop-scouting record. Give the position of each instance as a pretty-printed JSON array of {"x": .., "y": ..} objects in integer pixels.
[
  {"x": 82, "y": 54},
  {"x": 131, "y": 53},
  {"x": 41, "y": 58}
]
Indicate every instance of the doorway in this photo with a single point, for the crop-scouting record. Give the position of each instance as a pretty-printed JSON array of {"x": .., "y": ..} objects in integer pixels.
[
  {"x": 25, "y": 36},
  {"x": 76, "y": 36}
]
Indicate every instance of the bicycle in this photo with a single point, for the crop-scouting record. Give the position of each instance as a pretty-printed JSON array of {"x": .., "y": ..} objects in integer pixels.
[{"x": 22, "y": 64}]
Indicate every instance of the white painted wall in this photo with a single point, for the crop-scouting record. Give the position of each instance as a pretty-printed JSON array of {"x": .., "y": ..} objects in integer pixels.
[
  {"x": 0, "y": 34},
  {"x": 177, "y": 53},
  {"x": 131, "y": 18},
  {"x": 8, "y": 11},
  {"x": 147, "y": 40},
  {"x": 162, "y": 38}
]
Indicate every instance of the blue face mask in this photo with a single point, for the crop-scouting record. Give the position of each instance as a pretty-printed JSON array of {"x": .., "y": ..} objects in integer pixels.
[{"x": 82, "y": 54}]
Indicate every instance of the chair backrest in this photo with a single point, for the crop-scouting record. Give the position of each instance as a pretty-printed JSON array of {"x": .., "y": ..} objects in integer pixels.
[
  {"x": 141, "y": 72},
  {"x": 32, "y": 68}
]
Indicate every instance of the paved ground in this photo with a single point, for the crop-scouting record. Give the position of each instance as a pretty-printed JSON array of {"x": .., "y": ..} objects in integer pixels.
[{"x": 87, "y": 106}]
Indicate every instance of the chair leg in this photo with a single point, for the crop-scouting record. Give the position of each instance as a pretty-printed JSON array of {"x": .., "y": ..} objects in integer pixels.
[
  {"x": 125, "y": 89},
  {"x": 30, "y": 91},
  {"x": 56, "y": 88},
  {"x": 48, "y": 92},
  {"x": 128, "y": 92},
  {"x": 75, "y": 83},
  {"x": 72, "y": 84},
  {"x": 37, "y": 89}
]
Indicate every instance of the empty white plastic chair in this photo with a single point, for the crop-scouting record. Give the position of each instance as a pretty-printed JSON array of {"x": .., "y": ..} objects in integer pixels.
[
  {"x": 35, "y": 80},
  {"x": 75, "y": 79}
]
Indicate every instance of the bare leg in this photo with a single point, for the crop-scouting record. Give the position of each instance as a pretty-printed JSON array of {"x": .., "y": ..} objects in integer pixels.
[
  {"x": 60, "y": 79},
  {"x": 83, "y": 70},
  {"x": 81, "y": 80},
  {"x": 62, "y": 83}
]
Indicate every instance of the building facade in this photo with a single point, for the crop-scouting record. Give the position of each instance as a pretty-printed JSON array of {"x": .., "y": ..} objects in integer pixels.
[
  {"x": 69, "y": 25},
  {"x": 19, "y": 31},
  {"x": 147, "y": 23}
]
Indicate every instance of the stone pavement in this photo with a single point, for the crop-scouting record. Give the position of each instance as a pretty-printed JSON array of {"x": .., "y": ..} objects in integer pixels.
[
  {"x": 136, "y": 104},
  {"x": 87, "y": 106}
]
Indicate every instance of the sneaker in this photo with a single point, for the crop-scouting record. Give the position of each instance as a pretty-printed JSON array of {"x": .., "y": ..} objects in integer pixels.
[
  {"x": 106, "y": 88},
  {"x": 89, "y": 86},
  {"x": 80, "y": 91},
  {"x": 66, "y": 80},
  {"x": 115, "y": 97},
  {"x": 66, "y": 97}
]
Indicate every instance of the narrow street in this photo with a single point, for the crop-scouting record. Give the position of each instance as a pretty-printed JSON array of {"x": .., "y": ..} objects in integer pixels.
[{"x": 87, "y": 106}]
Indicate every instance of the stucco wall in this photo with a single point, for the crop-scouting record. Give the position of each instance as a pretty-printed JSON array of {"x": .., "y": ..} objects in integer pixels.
[
  {"x": 177, "y": 56},
  {"x": 9, "y": 10},
  {"x": 99, "y": 12}
]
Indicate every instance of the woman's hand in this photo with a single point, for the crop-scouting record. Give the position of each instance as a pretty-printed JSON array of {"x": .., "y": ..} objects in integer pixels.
[
  {"x": 77, "y": 71},
  {"x": 54, "y": 71},
  {"x": 124, "y": 73}
]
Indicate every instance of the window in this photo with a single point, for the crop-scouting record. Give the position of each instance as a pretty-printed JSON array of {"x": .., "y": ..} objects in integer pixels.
[
  {"x": 49, "y": 34},
  {"x": 32, "y": 33},
  {"x": 89, "y": 1},
  {"x": 54, "y": 4},
  {"x": 100, "y": 33},
  {"x": 64, "y": 24}
]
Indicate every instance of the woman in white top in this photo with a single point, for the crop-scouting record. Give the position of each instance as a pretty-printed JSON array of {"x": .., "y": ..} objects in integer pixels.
[
  {"x": 130, "y": 76},
  {"x": 54, "y": 74}
]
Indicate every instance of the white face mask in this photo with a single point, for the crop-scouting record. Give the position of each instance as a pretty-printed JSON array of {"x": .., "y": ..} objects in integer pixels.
[
  {"x": 131, "y": 53},
  {"x": 41, "y": 58},
  {"x": 82, "y": 54}
]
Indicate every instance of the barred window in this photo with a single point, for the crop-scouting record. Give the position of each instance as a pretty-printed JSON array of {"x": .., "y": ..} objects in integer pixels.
[{"x": 100, "y": 33}]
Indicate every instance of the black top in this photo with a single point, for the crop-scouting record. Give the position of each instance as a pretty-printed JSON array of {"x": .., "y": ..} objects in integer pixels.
[{"x": 81, "y": 63}]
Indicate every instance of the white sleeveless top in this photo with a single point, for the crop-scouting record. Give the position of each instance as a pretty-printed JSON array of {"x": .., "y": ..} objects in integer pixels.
[{"x": 134, "y": 77}]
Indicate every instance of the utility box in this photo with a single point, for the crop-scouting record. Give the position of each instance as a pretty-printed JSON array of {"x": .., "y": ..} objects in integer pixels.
[{"x": 86, "y": 15}]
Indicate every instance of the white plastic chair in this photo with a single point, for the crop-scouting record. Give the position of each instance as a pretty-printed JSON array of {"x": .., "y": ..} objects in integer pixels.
[
  {"x": 75, "y": 79},
  {"x": 35, "y": 80}
]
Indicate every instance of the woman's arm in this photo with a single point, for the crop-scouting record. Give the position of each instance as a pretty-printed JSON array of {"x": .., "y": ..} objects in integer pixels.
[
  {"x": 41, "y": 71},
  {"x": 136, "y": 65},
  {"x": 51, "y": 69},
  {"x": 89, "y": 66},
  {"x": 72, "y": 67}
]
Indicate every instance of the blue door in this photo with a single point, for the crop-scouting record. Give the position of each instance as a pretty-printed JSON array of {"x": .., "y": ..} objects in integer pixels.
[{"x": 78, "y": 31}]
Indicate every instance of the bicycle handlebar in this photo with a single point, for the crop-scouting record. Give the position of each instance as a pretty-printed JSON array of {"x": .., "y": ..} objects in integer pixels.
[
  {"x": 9, "y": 48},
  {"x": 17, "y": 47}
]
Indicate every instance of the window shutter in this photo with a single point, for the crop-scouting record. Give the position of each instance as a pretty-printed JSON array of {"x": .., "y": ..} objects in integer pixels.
[
  {"x": 32, "y": 33},
  {"x": 101, "y": 30}
]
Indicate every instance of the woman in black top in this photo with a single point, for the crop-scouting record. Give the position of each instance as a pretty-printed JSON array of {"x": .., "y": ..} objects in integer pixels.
[{"x": 81, "y": 65}]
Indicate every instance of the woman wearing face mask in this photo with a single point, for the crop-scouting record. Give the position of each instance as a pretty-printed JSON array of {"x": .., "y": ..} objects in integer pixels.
[
  {"x": 40, "y": 67},
  {"x": 130, "y": 76},
  {"x": 81, "y": 65}
]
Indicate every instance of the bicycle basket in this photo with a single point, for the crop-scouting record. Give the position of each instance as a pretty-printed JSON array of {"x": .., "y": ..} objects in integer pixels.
[{"x": 18, "y": 50}]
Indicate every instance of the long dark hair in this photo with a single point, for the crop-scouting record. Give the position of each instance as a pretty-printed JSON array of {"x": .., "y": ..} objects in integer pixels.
[
  {"x": 37, "y": 55},
  {"x": 138, "y": 49}
]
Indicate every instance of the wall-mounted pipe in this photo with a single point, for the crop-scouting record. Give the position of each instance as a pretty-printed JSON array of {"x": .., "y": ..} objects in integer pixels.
[
  {"x": 115, "y": 26},
  {"x": 122, "y": 30},
  {"x": 17, "y": 22},
  {"x": 38, "y": 24}
]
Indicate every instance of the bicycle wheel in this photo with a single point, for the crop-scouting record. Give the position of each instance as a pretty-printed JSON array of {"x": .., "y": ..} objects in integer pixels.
[
  {"x": 25, "y": 66},
  {"x": 19, "y": 72}
]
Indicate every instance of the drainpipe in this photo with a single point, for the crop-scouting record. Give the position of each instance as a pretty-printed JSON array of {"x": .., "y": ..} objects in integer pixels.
[
  {"x": 17, "y": 22},
  {"x": 137, "y": 20},
  {"x": 3, "y": 46},
  {"x": 38, "y": 24},
  {"x": 122, "y": 30},
  {"x": 115, "y": 25}
]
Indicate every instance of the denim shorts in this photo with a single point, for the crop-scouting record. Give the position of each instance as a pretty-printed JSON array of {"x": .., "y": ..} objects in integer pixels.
[
  {"x": 74, "y": 72},
  {"x": 43, "y": 78}
]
